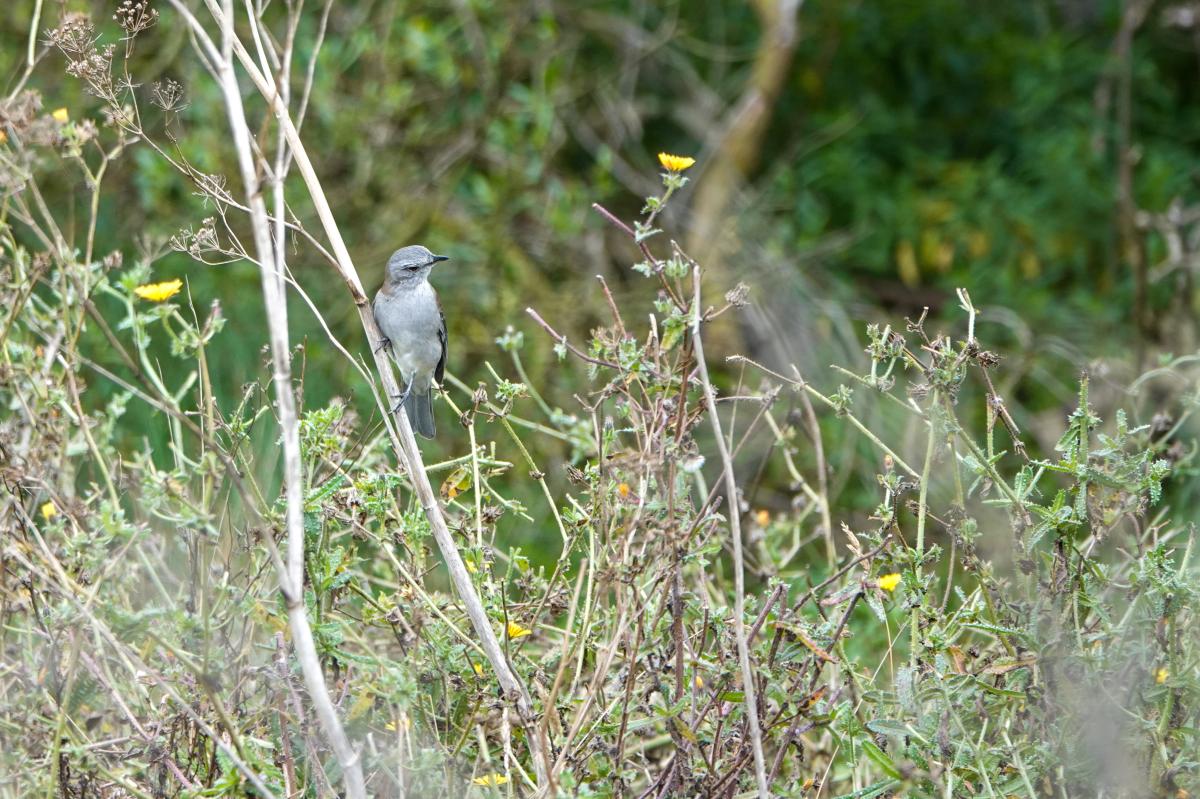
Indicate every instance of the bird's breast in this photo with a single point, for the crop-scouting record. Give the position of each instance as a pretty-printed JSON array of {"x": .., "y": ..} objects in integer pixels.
[{"x": 410, "y": 319}]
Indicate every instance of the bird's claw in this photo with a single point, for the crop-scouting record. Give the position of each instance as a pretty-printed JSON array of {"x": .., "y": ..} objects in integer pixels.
[
  {"x": 402, "y": 398},
  {"x": 384, "y": 343}
]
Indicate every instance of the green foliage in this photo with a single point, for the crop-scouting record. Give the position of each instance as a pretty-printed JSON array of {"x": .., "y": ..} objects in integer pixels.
[{"x": 937, "y": 604}]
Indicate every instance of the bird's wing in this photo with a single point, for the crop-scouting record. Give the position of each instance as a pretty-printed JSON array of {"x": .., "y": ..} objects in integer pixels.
[
  {"x": 440, "y": 369},
  {"x": 379, "y": 296}
]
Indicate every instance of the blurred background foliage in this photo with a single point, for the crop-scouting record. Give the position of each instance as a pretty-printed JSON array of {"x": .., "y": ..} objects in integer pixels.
[{"x": 856, "y": 162}]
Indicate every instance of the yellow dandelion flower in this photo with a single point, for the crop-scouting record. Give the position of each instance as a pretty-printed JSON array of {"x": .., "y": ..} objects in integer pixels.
[
  {"x": 763, "y": 517},
  {"x": 623, "y": 490},
  {"x": 517, "y": 631},
  {"x": 888, "y": 582},
  {"x": 49, "y": 511},
  {"x": 157, "y": 292},
  {"x": 60, "y": 116},
  {"x": 675, "y": 163},
  {"x": 1161, "y": 676},
  {"x": 478, "y": 669},
  {"x": 490, "y": 779}
]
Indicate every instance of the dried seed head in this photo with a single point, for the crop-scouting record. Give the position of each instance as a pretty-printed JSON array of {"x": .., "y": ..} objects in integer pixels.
[
  {"x": 737, "y": 295},
  {"x": 135, "y": 16},
  {"x": 987, "y": 359},
  {"x": 168, "y": 95},
  {"x": 75, "y": 35},
  {"x": 18, "y": 113}
]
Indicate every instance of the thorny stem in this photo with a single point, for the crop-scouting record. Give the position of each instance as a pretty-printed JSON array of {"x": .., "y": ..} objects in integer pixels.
[
  {"x": 561, "y": 339},
  {"x": 607, "y": 214}
]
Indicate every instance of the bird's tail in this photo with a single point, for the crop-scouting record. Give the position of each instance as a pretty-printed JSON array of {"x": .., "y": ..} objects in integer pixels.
[{"x": 419, "y": 407}]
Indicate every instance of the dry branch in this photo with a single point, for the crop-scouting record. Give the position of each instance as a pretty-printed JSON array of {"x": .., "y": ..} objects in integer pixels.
[
  {"x": 735, "y": 534},
  {"x": 406, "y": 444}
]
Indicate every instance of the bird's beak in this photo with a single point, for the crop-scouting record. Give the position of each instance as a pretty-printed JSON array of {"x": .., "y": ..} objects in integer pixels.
[{"x": 437, "y": 258}]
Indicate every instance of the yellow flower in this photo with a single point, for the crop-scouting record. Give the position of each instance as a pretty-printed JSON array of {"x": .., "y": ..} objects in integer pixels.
[
  {"x": 517, "y": 631},
  {"x": 61, "y": 116},
  {"x": 763, "y": 517},
  {"x": 888, "y": 582},
  {"x": 478, "y": 669},
  {"x": 623, "y": 490},
  {"x": 490, "y": 779},
  {"x": 1161, "y": 676},
  {"x": 471, "y": 567},
  {"x": 698, "y": 681},
  {"x": 157, "y": 292},
  {"x": 49, "y": 511},
  {"x": 675, "y": 163}
]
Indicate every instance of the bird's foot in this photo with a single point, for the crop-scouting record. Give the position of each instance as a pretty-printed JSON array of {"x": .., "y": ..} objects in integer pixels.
[
  {"x": 384, "y": 343},
  {"x": 402, "y": 398}
]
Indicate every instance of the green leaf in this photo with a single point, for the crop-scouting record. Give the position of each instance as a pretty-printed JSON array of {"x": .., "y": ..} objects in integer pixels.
[
  {"x": 881, "y": 759},
  {"x": 312, "y": 502},
  {"x": 888, "y": 727},
  {"x": 871, "y": 791}
]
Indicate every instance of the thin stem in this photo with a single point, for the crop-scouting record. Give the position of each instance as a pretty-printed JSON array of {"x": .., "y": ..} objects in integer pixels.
[
  {"x": 922, "y": 513},
  {"x": 733, "y": 505}
]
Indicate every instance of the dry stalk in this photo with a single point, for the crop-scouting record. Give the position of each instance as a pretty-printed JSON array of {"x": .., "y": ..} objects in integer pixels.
[
  {"x": 270, "y": 258},
  {"x": 405, "y": 444},
  {"x": 735, "y": 533}
]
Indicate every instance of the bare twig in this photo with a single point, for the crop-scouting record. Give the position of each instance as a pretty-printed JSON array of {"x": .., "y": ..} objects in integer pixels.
[{"x": 561, "y": 339}]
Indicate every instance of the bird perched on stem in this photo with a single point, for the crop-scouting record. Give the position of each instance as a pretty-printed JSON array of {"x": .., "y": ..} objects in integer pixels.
[{"x": 410, "y": 317}]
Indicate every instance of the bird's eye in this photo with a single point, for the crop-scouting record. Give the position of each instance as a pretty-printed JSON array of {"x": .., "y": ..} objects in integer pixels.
[{"x": 412, "y": 268}]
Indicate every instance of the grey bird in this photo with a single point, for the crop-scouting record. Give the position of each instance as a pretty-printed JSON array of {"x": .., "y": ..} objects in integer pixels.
[{"x": 410, "y": 317}]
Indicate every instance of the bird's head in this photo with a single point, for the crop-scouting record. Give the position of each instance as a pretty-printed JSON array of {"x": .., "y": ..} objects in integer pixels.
[{"x": 411, "y": 263}]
